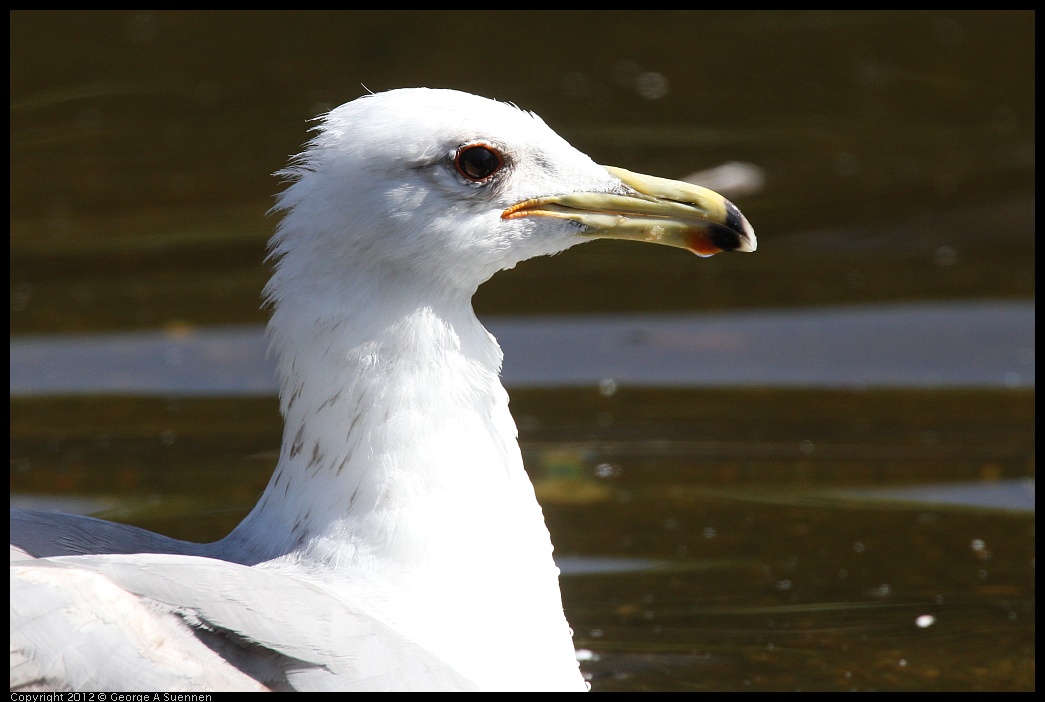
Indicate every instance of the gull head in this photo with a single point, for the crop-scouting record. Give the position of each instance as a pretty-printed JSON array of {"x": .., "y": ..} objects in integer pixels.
[{"x": 443, "y": 189}]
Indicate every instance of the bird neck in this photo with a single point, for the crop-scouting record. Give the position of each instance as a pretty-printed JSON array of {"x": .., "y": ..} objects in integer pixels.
[
  {"x": 400, "y": 474},
  {"x": 387, "y": 407}
]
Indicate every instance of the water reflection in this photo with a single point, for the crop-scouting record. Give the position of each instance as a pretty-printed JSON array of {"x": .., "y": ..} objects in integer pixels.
[{"x": 983, "y": 345}]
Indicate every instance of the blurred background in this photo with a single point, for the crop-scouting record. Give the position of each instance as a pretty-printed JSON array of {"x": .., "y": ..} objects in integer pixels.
[{"x": 810, "y": 467}]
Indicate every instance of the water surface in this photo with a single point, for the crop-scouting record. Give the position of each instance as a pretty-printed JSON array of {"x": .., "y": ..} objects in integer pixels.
[{"x": 769, "y": 473}]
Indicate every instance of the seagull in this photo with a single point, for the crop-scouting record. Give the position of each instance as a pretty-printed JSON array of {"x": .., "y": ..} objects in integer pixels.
[{"x": 398, "y": 544}]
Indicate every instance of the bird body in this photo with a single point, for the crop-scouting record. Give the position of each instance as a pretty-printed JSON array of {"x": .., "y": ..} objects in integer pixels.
[{"x": 399, "y": 544}]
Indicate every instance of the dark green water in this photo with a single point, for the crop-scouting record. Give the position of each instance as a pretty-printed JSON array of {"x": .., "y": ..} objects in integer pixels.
[{"x": 896, "y": 152}]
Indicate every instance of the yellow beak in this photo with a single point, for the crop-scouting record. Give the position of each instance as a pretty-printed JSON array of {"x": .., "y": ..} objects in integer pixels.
[{"x": 658, "y": 210}]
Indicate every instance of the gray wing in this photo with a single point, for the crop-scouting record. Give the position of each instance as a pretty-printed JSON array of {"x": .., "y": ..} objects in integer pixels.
[
  {"x": 47, "y": 534},
  {"x": 74, "y": 630},
  {"x": 167, "y": 621}
]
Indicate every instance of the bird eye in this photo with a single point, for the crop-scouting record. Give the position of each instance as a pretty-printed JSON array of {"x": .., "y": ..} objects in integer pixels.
[{"x": 478, "y": 162}]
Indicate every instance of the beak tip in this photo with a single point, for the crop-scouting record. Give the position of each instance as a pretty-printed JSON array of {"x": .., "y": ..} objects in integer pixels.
[
  {"x": 750, "y": 243},
  {"x": 736, "y": 235},
  {"x": 737, "y": 223}
]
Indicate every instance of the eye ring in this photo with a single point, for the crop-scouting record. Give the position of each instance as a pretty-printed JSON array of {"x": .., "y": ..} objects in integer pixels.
[{"x": 478, "y": 162}]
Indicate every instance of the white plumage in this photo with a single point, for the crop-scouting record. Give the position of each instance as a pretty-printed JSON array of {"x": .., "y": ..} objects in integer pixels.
[{"x": 399, "y": 544}]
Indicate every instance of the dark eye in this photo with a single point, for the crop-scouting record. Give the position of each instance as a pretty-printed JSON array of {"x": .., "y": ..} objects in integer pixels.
[{"x": 478, "y": 162}]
